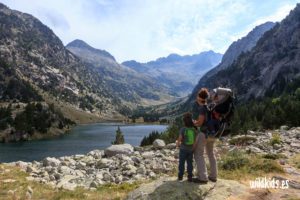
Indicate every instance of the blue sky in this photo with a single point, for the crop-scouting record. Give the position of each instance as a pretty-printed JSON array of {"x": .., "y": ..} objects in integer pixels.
[{"x": 145, "y": 30}]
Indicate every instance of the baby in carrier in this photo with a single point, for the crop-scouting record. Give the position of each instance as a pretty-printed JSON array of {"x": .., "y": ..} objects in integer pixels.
[{"x": 219, "y": 107}]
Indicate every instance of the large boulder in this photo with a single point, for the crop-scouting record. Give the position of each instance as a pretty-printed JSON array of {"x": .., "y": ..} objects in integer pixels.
[
  {"x": 118, "y": 149},
  {"x": 51, "y": 162},
  {"x": 158, "y": 143},
  {"x": 170, "y": 188}
]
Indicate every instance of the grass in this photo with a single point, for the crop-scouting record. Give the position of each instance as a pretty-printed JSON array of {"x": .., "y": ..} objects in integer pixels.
[
  {"x": 275, "y": 139},
  {"x": 42, "y": 191},
  {"x": 295, "y": 160},
  {"x": 273, "y": 156},
  {"x": 238, "y": 165},
  {"x": 242, "y": 140}
]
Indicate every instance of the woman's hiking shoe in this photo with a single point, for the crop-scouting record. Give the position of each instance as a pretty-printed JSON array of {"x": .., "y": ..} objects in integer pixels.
[
  {"x": 212, "y": 179},
  {"x": 180, "y": 179},
  {"x": 190, "y": 180},
  {"x": 199, "y": 181}
]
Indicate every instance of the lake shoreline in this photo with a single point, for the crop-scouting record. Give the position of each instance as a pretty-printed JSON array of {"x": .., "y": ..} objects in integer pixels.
[{"x": 80, "y": 139}]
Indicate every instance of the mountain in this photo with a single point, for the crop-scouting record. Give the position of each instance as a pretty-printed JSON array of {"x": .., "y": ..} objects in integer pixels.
[
  {"x": 244, "y": 44},
  {"x": 37, "y": 67},
  {"x": 238, "y": 47},
  {"x": 179, "y": 73},
  {"x": 79, "y": 44},
  {"x": 133, "y": 88},
  {"x": 269, "y": 68}
]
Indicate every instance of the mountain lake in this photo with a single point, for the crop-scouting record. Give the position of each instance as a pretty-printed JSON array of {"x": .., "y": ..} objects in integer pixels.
[{"x": 80, "y": 140}]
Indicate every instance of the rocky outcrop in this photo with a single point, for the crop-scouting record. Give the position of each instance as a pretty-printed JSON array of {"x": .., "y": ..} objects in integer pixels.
[
  {"x": 144, "y": 163},
  {"x": 170, "y": 188},
  {"x": 158, "y": 143},
  {"x": 118, "y": 149},
  {"x": 116, "y": 164},
  {"x": 243, "y": 45},
  {"x": 260, "y": 142}
]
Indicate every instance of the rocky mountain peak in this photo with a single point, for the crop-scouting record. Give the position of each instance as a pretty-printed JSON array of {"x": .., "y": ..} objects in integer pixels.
[
  {"x": 180, "y": 73},
  {"x": 79, "y": 44},
  {"x": 244, "y": 44},
  {"x": 2, "y": 6}
]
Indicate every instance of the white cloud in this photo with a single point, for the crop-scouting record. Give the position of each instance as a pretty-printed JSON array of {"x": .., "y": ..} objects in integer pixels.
[
  {"x": 146, "y": 30},
  {"x": 277, "y": 16}
]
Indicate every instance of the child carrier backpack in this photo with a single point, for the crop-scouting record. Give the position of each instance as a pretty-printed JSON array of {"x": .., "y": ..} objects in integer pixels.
[
  {"x": 189, "y": 136},
  {"x": 219, "y": 113}
]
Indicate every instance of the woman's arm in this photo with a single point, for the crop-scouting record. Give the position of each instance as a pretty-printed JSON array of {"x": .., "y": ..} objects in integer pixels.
[
  {"x": 199, "y": 121},
  {"x": 179, "y": 140},
  {"x": 196, "y": 142}
]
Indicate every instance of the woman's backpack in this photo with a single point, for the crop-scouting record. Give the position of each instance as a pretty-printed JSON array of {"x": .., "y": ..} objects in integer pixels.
[{"x": 224, "y": 107}]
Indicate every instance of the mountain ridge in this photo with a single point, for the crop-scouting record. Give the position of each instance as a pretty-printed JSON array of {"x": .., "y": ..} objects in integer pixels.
[{"x": 180, "y": 73}]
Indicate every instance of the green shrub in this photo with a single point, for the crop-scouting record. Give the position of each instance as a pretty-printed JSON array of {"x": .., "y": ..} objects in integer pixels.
[
  {"x": 237, "y": 165},
  {"x": 275, "y": 139},
  {"x": 272, "y": 156},
  {"x": 148, "y": 140},
  {"x": 234, "y": 160},
  {"x": 264, "y": 165},
  {"x": 119, "y": 137},
  {"x": 242, "y": 140}
]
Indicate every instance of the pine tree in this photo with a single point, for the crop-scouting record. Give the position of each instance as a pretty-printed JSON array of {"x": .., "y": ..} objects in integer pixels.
[{"x": 119, "y": 137}]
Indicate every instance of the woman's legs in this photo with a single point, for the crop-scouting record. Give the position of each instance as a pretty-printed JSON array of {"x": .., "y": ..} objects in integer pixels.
[
  {"x": 212, "y": 159},
  {"x": 199, "y": 158}
]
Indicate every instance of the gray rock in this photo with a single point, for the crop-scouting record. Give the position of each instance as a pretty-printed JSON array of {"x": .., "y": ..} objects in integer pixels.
[
  {"x": 119, "y": 179},
  {"x": 99, "y": 176},
  {"x": 138, "y": 149},
  {"x": 90, "y": 171},
  {"x": 31, "y": 169},
  {"x": 52, "y": 178},
  {"x": 21, "y": 164},
  {"x": 65, "y": 170},
  {"x": 104, "y": 163},
  {"x": 152, "y": 175},
  {"x": 284, "y": 128},
  {"x": 148, "y": 154},
  {"x": 88, "y": 160},
  {"x": 118, "y": 149},
  {"x": 94, "y": 184},
  {"x": 141, "y": 170},
  {"x": 80, "y": 165},
  {"x": 158, "y": 143},
  {"x": 51, "y": 162},
  {"x": 169, "y": 188},
  {"x": 136, "y": 159},
  {"x": 276, "y": 146},
  {"x": 78, "y": 156},
  {"x": 106, "y": 177},
  {"x": 97, "y": 154},
  {"x": 66, "y": 182},
  {"x": 57, "y": 176}
]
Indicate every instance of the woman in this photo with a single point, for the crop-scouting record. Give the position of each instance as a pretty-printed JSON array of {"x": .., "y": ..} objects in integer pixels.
[{"x": 199, "y": 115}]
